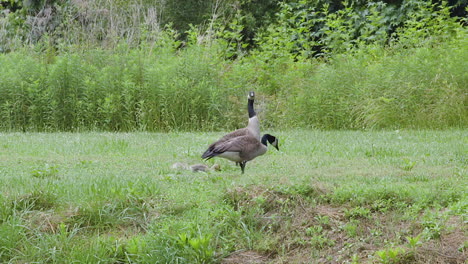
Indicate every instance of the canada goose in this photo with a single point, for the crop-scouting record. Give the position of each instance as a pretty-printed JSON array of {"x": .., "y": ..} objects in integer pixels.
[
  {"x": 241, "y": 149},
  {"x": 253, "y": 127}
]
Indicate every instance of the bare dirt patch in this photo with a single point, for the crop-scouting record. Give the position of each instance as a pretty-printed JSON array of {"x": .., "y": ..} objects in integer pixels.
[
  {"x": 44, "y": 221},
  {"x": 246, "y": 257}
]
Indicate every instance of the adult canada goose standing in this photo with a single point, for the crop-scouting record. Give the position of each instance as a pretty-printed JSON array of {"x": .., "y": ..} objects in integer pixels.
[
  {"x": 253, "y": 127},
  {"x": 241, "y": 149}
]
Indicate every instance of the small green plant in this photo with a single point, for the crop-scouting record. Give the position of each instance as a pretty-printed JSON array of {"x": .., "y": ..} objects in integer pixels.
[
  {"x": 355, "y": 259},
  {"x": 434, "y": 223},
  {"x": 414, "y": 242},
  {"x": 49, "y": 171},
  {"x": 460, "y": 208},
  {"x": 357, "y": 212},
  {"x": 317, "y": 237},
  {"x": 432, "y": 229},
  {"x": 464, "y": 247},
  {"x": 196, "y": 248},
  {"x": 351, "y": 228},
  {"x": 135, "y": 247},
  {"x": 407, "y": 164},
  {"x": 376, "y": 232},
  {"x": 391, "y": 255},
  {"x": 323, "y": 220},
  {"x": 382, "y": 205}
]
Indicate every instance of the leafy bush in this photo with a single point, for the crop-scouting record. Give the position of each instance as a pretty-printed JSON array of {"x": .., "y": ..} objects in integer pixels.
[{"x": 307, "y": 29}]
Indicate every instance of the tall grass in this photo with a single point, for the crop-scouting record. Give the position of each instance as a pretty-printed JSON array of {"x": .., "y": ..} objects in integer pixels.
[
  {"x": 158, "y": 89},
  {"x": 106, "y": 90},
  {"x": 378, "y": 88}
]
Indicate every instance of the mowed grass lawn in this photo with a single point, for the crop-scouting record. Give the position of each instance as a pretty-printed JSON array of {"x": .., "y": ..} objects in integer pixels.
[{"x": 325, "y": 197}]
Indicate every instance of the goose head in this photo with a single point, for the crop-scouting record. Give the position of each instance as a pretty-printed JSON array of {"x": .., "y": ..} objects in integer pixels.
[
  {"x": 251, "y": 95},
  {"x": 270, "y": 139}
]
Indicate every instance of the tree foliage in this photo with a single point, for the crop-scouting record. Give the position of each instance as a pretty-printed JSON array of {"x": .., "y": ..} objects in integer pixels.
[
  {"x": 305, "y": 29},
  {"x": 319, "y": 25}
]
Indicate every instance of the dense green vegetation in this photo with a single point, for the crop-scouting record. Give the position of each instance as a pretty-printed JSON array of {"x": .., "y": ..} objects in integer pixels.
[
  {"x": 313, "y": 64},
  {"x": 338, "y": 196},
  {"x": 194, "y": 89}
]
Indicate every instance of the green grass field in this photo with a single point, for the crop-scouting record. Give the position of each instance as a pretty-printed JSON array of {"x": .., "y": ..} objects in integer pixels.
[{"x": 325, "y": 197}]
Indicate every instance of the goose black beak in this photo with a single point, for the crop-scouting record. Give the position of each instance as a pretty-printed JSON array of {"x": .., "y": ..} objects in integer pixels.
[{"x": 275, "y": 144}]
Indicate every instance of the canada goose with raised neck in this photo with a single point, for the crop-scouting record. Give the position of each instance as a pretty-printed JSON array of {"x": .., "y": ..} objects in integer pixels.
[{"x": 241, "y": 149}]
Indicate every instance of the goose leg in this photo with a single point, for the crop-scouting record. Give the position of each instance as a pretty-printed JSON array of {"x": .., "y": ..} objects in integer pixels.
[{"x": 242, "y": 165}]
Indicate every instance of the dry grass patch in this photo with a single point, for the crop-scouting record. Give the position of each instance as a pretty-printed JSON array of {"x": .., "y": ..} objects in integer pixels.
[
  {"x": 45, "y": 221},
  {"x": 450, "y": 248}
]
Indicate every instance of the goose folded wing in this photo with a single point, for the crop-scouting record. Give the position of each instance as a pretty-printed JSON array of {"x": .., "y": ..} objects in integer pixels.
[
  {"x": 238, "y": 144},
  {"x": 237, "y": 133}
]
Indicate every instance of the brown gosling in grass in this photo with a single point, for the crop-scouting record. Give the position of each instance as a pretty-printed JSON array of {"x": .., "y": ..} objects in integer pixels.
[{"x": 196, "y": 167}]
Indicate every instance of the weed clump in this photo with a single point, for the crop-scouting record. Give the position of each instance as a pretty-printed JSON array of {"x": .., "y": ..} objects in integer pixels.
[
  {"x": 36, "y": 200},
  {"x": 271, "y": 199},
  {"x": 97, "y": 216}
]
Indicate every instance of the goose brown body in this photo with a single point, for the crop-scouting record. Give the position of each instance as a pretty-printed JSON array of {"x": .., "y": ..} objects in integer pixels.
[{"x": 241, "y": 149}]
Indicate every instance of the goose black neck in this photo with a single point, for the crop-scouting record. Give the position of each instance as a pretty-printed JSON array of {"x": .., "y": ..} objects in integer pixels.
[
  {"x": 250, "y": 107},
  {"x": 268, "y": 138}
]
